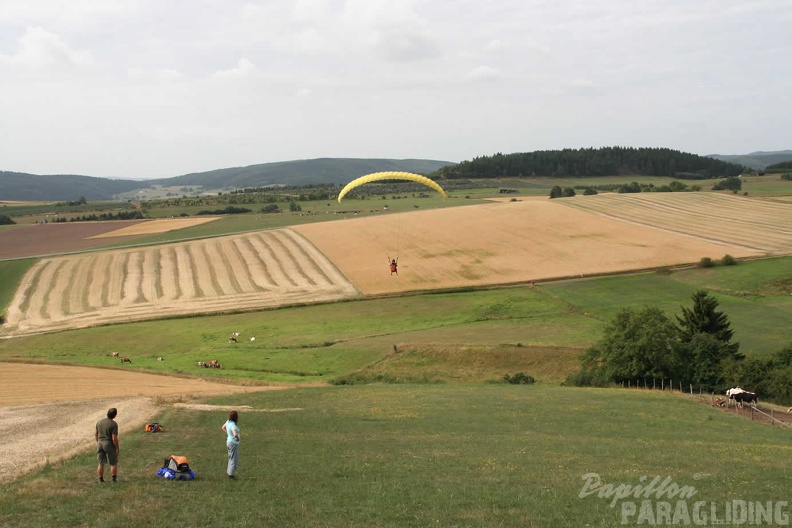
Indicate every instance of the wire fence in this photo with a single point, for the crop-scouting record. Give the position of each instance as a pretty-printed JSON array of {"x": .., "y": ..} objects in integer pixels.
[{"x": 757, "y": 413}]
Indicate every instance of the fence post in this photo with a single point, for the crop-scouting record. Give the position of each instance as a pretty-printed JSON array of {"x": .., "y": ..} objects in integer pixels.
[{"x": 772, "y": 416}]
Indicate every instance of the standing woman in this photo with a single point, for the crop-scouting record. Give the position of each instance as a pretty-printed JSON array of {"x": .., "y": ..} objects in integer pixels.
[{"x": 231, "y": 428}]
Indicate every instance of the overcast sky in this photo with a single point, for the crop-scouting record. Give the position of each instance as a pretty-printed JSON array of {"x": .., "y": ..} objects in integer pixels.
[{"x": 160, "y": 88}]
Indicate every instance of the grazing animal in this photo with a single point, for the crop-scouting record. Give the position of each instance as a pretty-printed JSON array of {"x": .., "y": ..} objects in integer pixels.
[
  {"x": 741, "y": 396},
  {"x": 720, "y": 402},
  {"x": 233, "y": 338},
  {"x": 203, "y": 364},
  {"x": 252, "y": 339},
  {"x": 126, "y": 360},
  {"x": 114, "y": 354},
  {"x": 159, "y": 358},
  {"x": 214, "y": 363}
]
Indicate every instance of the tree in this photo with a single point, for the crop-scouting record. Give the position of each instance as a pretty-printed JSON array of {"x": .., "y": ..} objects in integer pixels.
[
  {"x": 732, "y": 183},
  {"x": 635, "y": 344},
  {"x": 6, "y": 220},
  {"x": 556, "y": 192},
  {"x": 704, "y": 317},
  {"x": 568, "y": 192},
  {"x": 705, "y": 345}
]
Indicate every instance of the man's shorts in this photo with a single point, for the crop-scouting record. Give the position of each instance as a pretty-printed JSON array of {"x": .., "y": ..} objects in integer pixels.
[{"x": 106, "y": 453}]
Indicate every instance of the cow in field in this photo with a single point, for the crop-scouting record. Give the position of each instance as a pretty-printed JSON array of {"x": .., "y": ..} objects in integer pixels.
[
  {"x": 741, "y": 396},
  {"x": 234, "y": 337},
  {"x": 114, "y": 354},
  {"x": 126, "y": 360}
]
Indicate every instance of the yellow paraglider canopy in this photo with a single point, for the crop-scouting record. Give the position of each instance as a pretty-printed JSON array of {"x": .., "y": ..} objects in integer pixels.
[{"x": 390, "y": 175}]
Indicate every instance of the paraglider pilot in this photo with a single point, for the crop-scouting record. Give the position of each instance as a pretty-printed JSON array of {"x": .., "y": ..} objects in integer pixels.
[{"x": 394, "y": 266}]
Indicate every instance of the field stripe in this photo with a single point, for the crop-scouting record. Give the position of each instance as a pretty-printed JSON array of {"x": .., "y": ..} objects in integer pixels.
[{"x": 256, "y": 267}]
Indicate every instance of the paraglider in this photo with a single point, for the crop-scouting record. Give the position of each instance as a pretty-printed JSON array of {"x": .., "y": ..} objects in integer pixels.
[{"x": 390, "y": 175}]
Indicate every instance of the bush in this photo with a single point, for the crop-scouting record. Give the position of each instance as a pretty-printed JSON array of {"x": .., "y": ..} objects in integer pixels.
[
  {"x": 519, "y": 379},
  {"x": 706, "y": 262},
  {"x": 588, "y": 378},
  {"x": 728, "y": 260},
  {"x": 6, "y": 220}
]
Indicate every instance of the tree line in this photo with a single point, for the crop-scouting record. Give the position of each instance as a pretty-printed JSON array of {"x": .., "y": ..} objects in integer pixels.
[
  {"x": 694, "y": 347},
  {"x": 606, "y": 161}
]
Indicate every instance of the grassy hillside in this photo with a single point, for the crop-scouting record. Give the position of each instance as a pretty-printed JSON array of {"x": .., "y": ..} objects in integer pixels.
[
  {"x": 468, "y": 336},
  {"x": 417, "y": 456}
]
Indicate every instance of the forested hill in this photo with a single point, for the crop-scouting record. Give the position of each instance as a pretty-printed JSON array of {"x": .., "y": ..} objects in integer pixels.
[
  {"x": 608, "y": 161},
  {"x": 756, "y": 160},
  {"x": 300, "y": 172},
  {"x": 23, "y": 186}
]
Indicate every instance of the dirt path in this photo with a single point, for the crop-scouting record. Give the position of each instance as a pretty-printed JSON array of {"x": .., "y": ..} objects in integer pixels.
[{"x": 48, "y": 412}]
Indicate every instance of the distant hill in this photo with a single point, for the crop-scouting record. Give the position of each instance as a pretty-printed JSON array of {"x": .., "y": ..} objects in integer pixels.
[
  {"x": 300, "y": 172},
  {"x": 23, "y": 186},
  {"x": 756, "y": 160},
  {"x": 61, "y": 187}
]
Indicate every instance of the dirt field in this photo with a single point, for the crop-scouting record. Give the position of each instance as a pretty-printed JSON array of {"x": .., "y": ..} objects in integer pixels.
[
  {"x": 50, "y": 239},
  {"x": 57, "y": 408}
]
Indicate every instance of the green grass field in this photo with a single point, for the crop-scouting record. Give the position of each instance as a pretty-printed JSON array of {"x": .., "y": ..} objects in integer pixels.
[
  {"x": 418, "y": 455},
  {"x": 539, "y": 331}
]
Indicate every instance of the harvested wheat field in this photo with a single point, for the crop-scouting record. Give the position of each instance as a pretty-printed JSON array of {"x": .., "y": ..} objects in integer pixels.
[
  {"x": 57, "y": 407},
  {"x": 763, "y": 225},
  {"x": 503, "y": 242},
  {"x": 539, "y": 239},
  {"x": 251, "y": 271}
]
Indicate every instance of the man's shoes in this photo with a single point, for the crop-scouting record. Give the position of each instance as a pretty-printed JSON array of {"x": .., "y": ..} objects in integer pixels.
[{"x": 231, "y": 476}]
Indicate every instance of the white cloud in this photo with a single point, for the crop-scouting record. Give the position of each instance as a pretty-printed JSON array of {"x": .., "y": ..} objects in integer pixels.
[
  {"x": 244, "y": 68},
  {"x": 40, "y": 49},
  {"x": 163, "y": 75},
  {"x": 483, "y": 73}
]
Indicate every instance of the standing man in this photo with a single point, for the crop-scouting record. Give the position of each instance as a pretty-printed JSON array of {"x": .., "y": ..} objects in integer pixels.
[{"x": 107, "y": 447}]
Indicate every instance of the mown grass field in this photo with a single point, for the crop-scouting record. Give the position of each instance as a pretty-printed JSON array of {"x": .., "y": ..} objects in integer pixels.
[{"x": 417, "y": 455}]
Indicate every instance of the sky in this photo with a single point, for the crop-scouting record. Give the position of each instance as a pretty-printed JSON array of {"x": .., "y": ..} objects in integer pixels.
[{"x": 160, "y": 88}]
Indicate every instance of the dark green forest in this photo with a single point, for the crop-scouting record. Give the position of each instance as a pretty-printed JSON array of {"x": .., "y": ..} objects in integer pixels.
[
  {"x": 608, "y": 161},
  {"x": 785, "y": 166}
]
